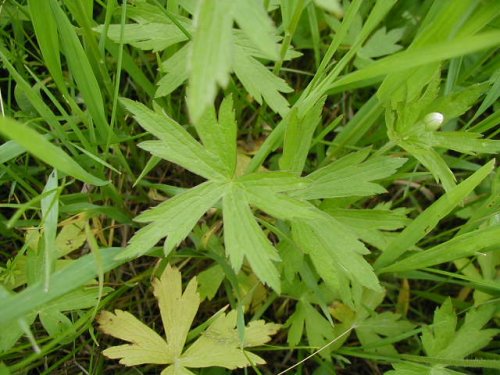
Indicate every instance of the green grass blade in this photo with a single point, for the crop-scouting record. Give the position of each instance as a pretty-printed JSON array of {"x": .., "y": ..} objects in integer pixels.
[
  {"x": 40, "y": 147},
  {"x": 46, "y": 34},
  {"x": 428, "y": 219},
  {"x": 420, "y": 56},
  {"x": 50, "y": 212},
  {"x": 465, "y": 245},
  {"x": 81, "y": 71},
  {"x": 69, "y": 278}
]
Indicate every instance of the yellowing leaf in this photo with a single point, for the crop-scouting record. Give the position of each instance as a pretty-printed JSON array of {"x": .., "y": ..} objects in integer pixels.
[
  {"x": 219, "y": 345},
  {"x": 146, "y": 346},
  {"x": 177, "y": 309}
]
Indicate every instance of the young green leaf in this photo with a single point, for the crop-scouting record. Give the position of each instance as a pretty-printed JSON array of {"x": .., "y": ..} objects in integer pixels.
[
  {"x": 174, "y": 219},
  {"x": 244, "y": 239},
  {"x": 298, "y": 137},
  {"x": 335, "y": 252},
  {"x": 442, "y": 341},
  {"x": 219, "y": 136},
  {"x": 259, "y": 81},
  {"x": 147, "y": 35},
  {"x": 175, "y": 144},
  {"x": 210, "y": 58},
  {"x": 251, "y": 17},
  {"x": 382, "y": 43},
  {"x": 350, "y": 176}
]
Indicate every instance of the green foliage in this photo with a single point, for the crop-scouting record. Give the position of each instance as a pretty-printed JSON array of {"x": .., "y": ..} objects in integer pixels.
[
  {"x": 323, "y": 164},
  {"x": 443, "y": 340}
]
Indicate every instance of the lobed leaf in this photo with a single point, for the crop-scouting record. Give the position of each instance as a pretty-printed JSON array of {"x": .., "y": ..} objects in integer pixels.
[
  {"x": 177, "y": 308},
  {"x": 350, "y": 176},
  {"x": 175, "y": 144},
  {"x": 244, "y": 239},
  {"x": 259, "y": 81},
  {"x": 146, "y": 346},
  {"x": 252, "y": 18},
  {"x": 174, "y": 219},
  {"x": 145, "y": 36},
  {"x": 210, "y": 57}
]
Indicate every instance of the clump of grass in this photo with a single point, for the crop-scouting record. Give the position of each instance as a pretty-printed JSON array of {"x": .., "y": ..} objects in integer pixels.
[{"x": 321, "y": 167}]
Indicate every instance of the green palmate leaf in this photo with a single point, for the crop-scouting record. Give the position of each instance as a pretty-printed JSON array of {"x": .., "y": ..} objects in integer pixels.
[
  {"x": 244, "y": 238},
  {"x": 219, "y": 137},
  {"x": 216, "y": 49},
  {"x": 298, "y": 137},
  {"x": 336, "y": 254},
  {"x": 40, "y": 147},
  {"x": 219, "y": 345},
  {"x": 211, "y": 56},
  {"x": 427, "y": 220},
  {"x": 259, "y": 81},
  {"x": 442, "y": 341},
  {"x": 382, "y": 43},
  {"x": 317, "y": 327},
  {"x": 466, "y": 142},
  {"x": 148, "y": 35},
  {"x": 254, "y": 76},
  {"x": 174, "y": 219},
  {"x": 372, "y": 225},
  {"x": 175, "y": 144},
  {"x": 251, "y": 17},
  {"x": 176, "y": 72},
  {"x": 350, "y": 176}
]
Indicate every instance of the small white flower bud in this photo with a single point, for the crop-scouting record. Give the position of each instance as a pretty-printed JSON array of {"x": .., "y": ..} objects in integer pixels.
[{"x": 433, "y": 120}]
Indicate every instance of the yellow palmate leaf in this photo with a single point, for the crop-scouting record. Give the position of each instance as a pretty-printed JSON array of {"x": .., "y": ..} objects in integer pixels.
[
  {"x": 177, "y": 309},
  {"x": 146, "y": 346},
  {"x": 220, "y": 345}
]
